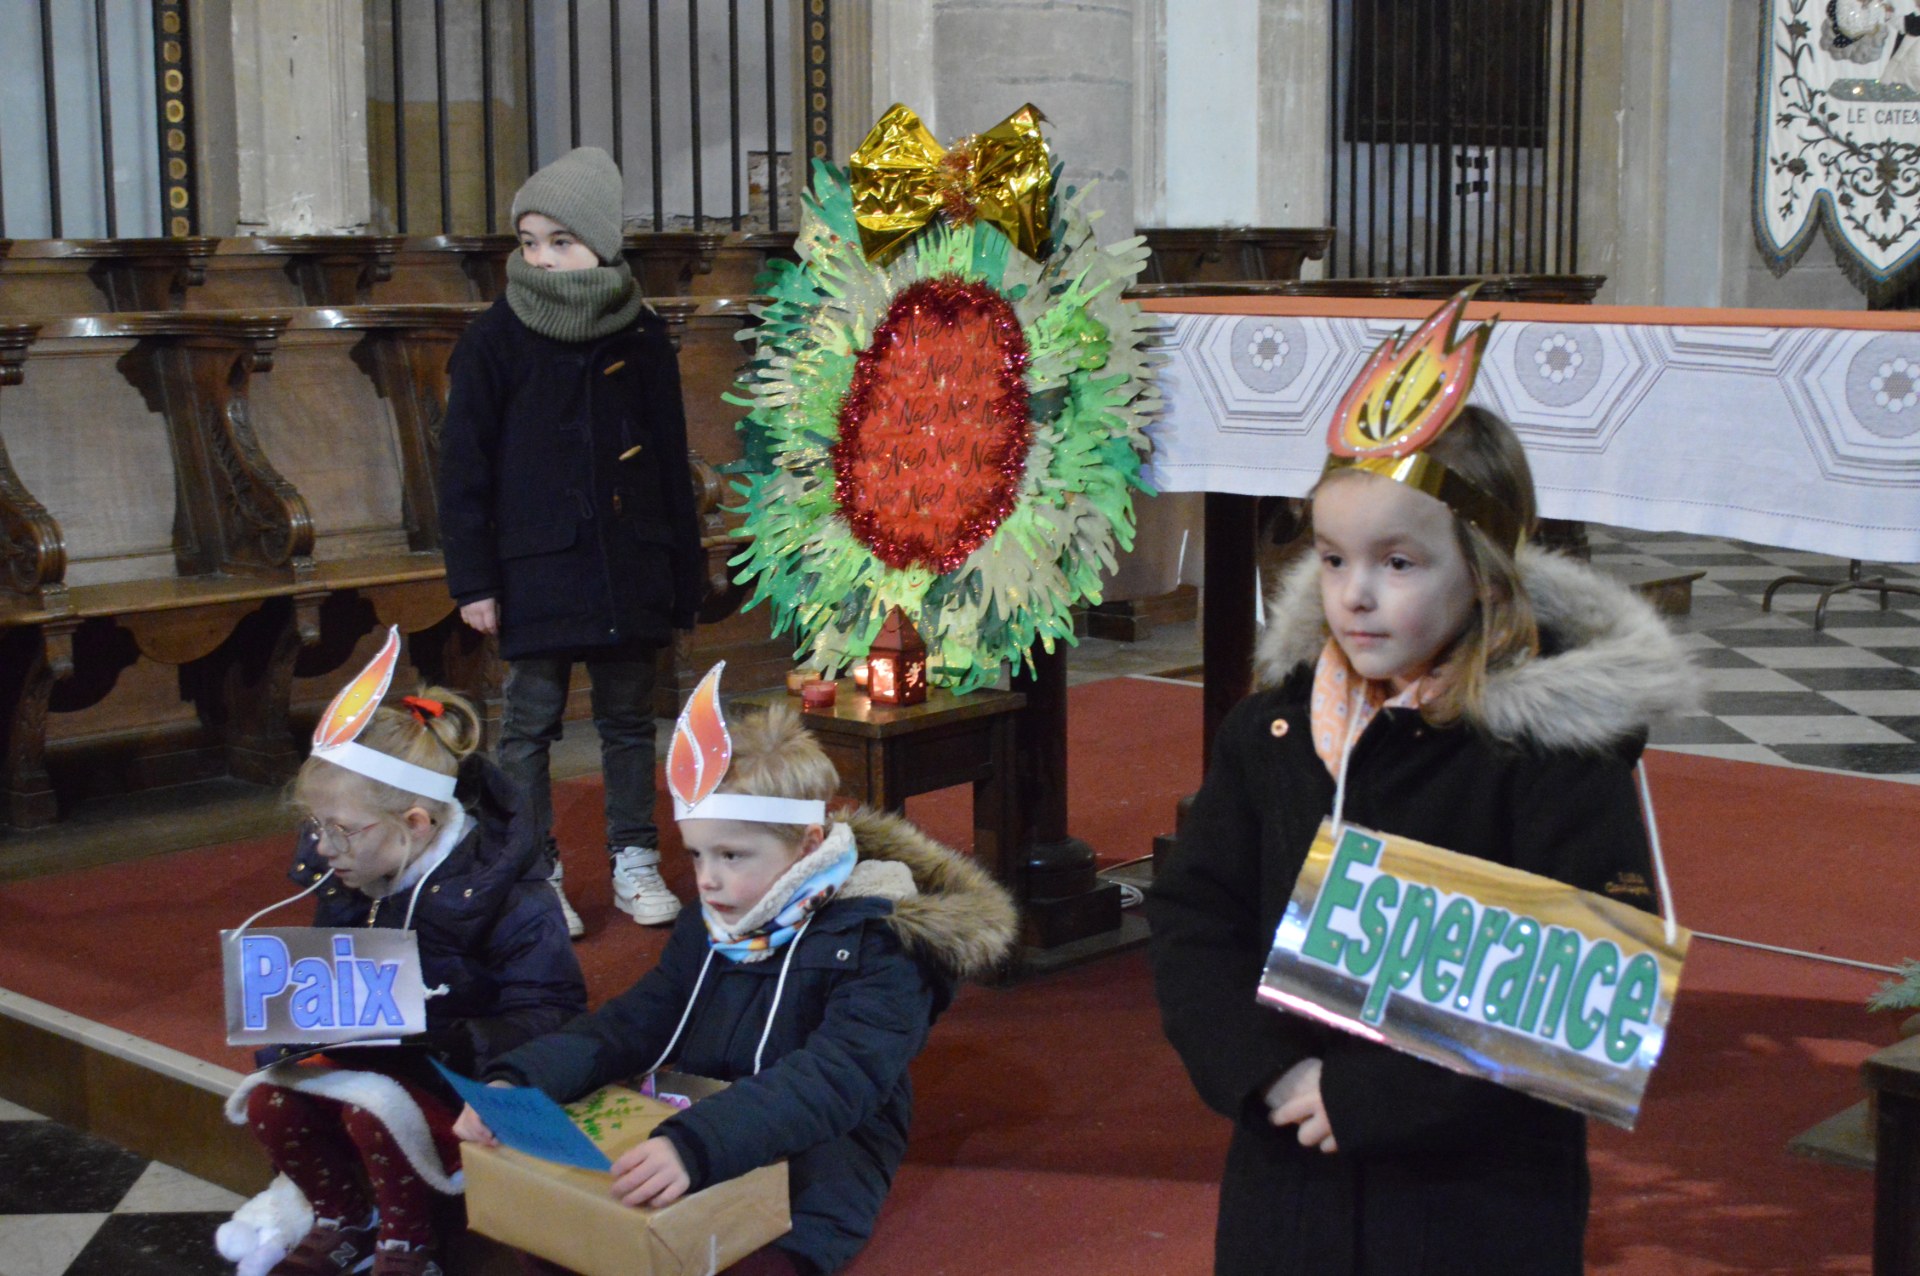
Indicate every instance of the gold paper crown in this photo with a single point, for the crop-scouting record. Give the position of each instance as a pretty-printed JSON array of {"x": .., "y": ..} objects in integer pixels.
[{"x": 1410, "y": 390}]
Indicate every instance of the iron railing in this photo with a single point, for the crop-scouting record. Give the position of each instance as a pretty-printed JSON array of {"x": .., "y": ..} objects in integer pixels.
[
  {"x": 80, "y": 156},
  {"x": 1454, "y": 136},
  {"x": 547, "y": 77}
]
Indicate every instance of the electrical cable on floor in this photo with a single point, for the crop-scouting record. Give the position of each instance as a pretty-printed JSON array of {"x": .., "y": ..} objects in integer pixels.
[{"x": 1796, "y": 952}]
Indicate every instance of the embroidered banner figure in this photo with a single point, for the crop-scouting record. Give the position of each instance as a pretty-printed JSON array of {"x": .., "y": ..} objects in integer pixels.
[{"x": 1839, "y": 135}]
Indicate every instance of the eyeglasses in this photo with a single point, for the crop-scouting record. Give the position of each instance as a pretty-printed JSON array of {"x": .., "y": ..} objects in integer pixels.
[{"x": 330, "y": 837}]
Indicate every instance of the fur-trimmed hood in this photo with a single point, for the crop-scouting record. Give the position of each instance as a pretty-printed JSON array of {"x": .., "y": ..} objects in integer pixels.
[
  {"x": 958, "y": 918},
  {"x": 1609, "y": 665}
]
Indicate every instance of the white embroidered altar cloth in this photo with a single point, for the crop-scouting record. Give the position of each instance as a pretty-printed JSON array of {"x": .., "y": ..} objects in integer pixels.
[{"x": 1796, "y": 429}]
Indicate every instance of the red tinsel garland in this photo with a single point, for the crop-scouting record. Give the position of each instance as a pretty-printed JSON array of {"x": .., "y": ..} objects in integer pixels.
[{"x": 934, "y": 429}]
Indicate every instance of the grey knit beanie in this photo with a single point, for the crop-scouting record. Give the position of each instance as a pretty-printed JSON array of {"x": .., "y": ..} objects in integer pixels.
[{"x": 581, "y": 190}]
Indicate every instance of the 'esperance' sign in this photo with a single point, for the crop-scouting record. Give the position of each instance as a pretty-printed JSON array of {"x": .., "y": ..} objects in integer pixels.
[{"x": 1490, "y": 971}]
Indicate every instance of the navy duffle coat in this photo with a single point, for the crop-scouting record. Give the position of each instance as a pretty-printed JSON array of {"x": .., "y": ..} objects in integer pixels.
[{"x": 565, "y": 491}]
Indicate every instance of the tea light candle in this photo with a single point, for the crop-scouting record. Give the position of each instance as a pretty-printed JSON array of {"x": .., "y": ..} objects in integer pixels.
[
  {"x": 818, "y": 695},
  {"x": 860, "y": 674},
  {"x": 798, "y": 679}
]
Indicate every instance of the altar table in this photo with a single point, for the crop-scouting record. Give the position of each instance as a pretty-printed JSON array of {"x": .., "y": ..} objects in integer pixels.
[{"x": 1796, "y": 429}]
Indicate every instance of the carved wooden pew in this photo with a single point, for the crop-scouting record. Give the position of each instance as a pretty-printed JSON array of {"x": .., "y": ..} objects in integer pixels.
[
  {"x": 42, "y": 277},
  {"x": 352, "y": 415},
  {"x": 171, "y": 556},
  {"x": 666, "y": 264},
  {"x": 280, "y": 271},
  {"x": 1230, "y": 254}
]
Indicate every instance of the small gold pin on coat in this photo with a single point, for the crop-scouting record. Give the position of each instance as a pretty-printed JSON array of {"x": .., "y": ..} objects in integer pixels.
[
  {"x": 1279, "y": 727},
  {"x": 631, "y": 452},
  {"x": 613, "y": 367}
]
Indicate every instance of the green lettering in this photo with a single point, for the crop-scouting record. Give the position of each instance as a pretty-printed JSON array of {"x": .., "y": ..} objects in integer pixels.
[
  {"x": 1382, "y": 893},
  {"x": 1493, "y": 924},
  {"x": 1508, "y": 988},
  {"x": 1449, "y": 944},
  {"x": 1405, "y": 951},
  {"x": 1560, "y": 956},
  {"x": 1337, "y": 892},
  {"x": 1632, "y": 1004},
  {"x": 1602, "y": 962}
]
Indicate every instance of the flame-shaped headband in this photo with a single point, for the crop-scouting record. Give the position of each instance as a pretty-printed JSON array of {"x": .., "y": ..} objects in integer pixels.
[
  {"x": 698, "y": 759},
  {"x": 1410, "y": 390},
  {"x": 348, "y": 715}
]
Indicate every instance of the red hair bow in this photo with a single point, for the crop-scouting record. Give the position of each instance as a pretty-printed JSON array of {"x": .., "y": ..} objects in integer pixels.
[{"x": 423, "y": 708}]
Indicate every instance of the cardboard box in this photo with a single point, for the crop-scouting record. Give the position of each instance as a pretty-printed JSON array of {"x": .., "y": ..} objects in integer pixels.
[{"x": 566, "y": 1215}]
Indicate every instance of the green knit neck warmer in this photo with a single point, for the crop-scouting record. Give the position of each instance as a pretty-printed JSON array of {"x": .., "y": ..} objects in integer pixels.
[{"x": 572, "y": 305}]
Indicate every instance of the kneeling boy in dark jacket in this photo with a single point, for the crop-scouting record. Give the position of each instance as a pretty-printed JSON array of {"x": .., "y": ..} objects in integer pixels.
[{"x": 820, "y": 958}]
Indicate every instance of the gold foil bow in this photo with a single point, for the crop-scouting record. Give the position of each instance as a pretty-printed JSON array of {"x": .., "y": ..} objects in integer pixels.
[{"x": 902, "y": 178}]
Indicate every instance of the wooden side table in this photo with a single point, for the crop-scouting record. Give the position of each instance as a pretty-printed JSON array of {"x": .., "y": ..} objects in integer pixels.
[{"x": 886, "y": 754}]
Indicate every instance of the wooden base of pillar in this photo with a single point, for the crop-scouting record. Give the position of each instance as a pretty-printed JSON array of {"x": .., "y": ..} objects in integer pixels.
[{"x": 1049, "y": 923}]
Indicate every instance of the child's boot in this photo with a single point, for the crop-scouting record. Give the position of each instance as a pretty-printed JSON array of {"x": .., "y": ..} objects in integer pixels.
[
  {"x": 638, "y": 889},
  {"x": 557, "y": 880},
  {"x": 397, "y": 1258}
]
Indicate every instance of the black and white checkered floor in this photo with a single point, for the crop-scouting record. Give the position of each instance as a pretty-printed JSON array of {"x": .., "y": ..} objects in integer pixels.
[
  {"x": 74, "y": 1205},
  {"x": 1842, "y": 698}
]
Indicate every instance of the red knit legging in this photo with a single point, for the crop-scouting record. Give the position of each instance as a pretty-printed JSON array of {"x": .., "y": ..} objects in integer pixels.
[{"x": 335, "y": 1152}]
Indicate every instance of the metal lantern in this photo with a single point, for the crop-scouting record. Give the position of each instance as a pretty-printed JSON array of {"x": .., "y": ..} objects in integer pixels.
[{"x": 897, "y": 663}]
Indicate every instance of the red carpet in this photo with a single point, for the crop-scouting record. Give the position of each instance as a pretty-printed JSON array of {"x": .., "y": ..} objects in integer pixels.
[{"x": 1056, "y": 1133}]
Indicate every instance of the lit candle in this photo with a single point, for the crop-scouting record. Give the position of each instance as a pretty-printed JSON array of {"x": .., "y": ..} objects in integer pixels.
[{"x": 860, "y": 674}]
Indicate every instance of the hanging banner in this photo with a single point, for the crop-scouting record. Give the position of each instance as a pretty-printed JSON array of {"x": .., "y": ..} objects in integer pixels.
[
  {"x": 1839, "y": 134},
  {"x": 1493, "y": 972},
  {"x": 305, "y": 986}
]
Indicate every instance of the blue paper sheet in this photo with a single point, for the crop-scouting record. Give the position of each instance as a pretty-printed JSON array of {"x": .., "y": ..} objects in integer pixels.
[{"x": 528, "y": 1121}]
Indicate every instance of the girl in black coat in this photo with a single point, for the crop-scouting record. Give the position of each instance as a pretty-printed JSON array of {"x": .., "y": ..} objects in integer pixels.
[
  {"x": 374, "y": 1126},
  {"x": 809, "y": 980},
  {"x": 1418, "y": 677}
]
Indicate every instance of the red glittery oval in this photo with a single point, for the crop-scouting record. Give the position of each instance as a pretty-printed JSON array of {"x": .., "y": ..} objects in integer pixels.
[{"x": 934, "y": 429}]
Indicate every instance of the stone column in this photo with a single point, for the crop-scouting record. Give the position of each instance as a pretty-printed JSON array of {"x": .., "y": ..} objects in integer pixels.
[
  {"x": 1290, "y": 124},
  {"x": 1073, "y": 61},
  {"x": 300, "y": 102}
]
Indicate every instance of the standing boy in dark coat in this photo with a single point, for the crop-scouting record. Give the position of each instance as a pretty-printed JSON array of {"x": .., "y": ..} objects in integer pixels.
[{"x": 566, "y": 504}]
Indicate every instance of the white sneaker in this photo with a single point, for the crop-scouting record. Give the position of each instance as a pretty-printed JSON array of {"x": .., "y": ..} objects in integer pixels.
[
  {"x": 638, "y": 890},
  {"x": 556, "y": 879}
]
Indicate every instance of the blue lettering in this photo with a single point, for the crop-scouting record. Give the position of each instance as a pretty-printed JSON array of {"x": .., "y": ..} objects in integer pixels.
[
  {"x": 311, "y": 1005},
  {"x": 263, "y": 974},
  {"x": 377, "y": 979},
  {"x": 343, "y": 977}
]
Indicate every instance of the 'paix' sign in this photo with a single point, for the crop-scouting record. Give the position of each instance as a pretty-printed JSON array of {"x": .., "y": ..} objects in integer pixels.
[
  {"x": 1487, "y": 970},
  {"x": 300, "y": 985}
]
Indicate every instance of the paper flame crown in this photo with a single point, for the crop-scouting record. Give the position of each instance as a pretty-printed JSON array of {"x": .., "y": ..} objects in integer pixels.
[
  {"x": 698, "y": 759},
  {"x": 336, "y": 737},
  {"x": 1410, "y": 391}
]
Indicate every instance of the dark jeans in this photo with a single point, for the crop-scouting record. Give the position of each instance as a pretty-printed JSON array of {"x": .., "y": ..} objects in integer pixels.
[{"x": 536, "y": 700}]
